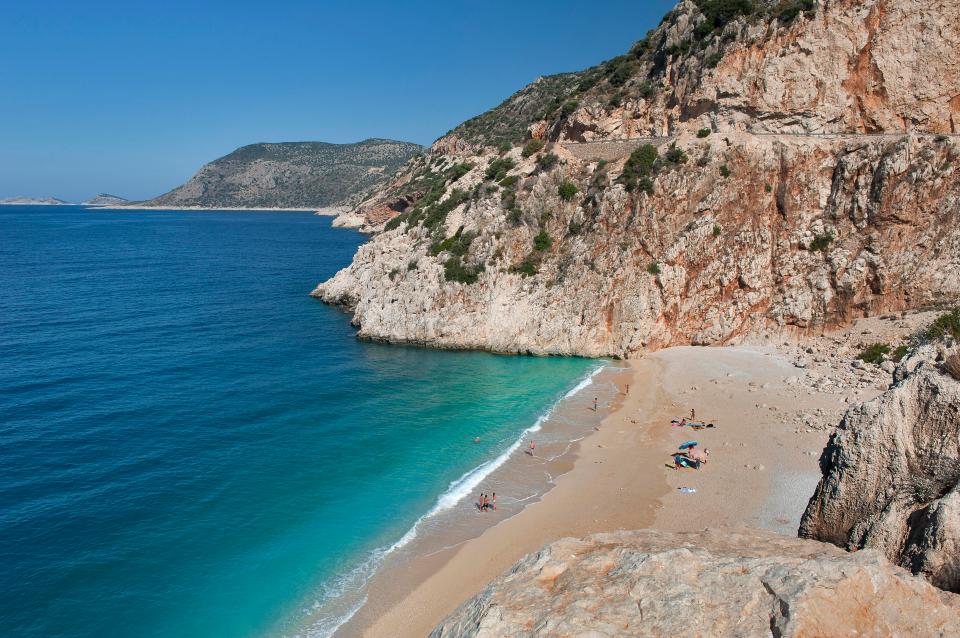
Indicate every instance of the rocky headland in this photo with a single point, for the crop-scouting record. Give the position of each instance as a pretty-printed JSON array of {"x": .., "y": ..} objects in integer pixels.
[
  {"x": 776, "y": 167},
  {"x": 291, "y": 175},
  {"x": 105, "y": 199}
]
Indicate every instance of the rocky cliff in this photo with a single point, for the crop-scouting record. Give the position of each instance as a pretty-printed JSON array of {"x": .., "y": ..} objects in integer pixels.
[
  {"x": 714, "y": 583},
  {"x": 745, "y": 167},
  {"x": 291, "y": 175},
  {"x": 891, "y": 472}
]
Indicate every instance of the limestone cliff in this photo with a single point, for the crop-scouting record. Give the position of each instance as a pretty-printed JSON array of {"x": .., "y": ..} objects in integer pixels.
[
  {"x": 713, "y": 583},
  {"x": 785, "y": 165},
  {"x": 891, "y": 472},
  {"x": 291, "y": 175}
]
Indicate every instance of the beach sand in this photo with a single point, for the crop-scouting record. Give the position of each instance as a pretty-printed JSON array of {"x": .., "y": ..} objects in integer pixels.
[{"x": 762, "y": 470}]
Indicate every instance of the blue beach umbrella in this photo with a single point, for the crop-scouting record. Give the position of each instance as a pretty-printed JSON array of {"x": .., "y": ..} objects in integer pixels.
[{"x": 688, "y": 444}]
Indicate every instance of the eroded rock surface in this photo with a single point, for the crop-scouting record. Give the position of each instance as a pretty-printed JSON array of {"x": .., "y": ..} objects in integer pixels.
[
  {"x": 714, "y": 583},
  {"x": 891, "y": 473}
]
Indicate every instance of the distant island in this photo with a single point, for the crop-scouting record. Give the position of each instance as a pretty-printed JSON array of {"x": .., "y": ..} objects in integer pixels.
[
  {"x": 291, "y": 175},
  {"x": 33, "y": 201},
  {"x": 105, "y": 199}
]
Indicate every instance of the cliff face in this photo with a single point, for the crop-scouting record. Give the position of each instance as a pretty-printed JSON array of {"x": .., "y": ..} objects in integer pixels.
[
  {"x": 293, "y": 174},
  {"x": 891, "y": 472},
  {"x": 714, "y": 583},
  {"x": 783, "y": 192}
]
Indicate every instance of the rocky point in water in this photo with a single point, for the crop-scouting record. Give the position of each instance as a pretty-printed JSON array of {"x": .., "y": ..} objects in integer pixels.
[{"x": 783, "y": 166}]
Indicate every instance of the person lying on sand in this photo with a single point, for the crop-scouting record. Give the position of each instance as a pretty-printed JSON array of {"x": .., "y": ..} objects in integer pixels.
[
  {"x": 698, "y": 455},
  {"x": 680, "y": 460}
]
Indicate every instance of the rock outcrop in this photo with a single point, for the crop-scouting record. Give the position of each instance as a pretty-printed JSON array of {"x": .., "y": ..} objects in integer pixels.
[
  {"x": 786, "y": 195},
  {"x": 891, "y": 473},
  {"x": 291, "y": 175},
  {"x": 713, "y": 583}
]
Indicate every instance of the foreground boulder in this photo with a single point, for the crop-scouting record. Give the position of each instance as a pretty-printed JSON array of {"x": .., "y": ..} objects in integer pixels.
[
  {"x": 891, "y": 473},
  {"x": 747, "y": 583}
]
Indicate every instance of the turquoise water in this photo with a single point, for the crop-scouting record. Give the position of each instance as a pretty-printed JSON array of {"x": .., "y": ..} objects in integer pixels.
[{"x": 192, "y": 446}]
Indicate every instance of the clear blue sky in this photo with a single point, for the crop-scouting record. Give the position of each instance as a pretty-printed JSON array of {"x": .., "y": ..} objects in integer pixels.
[{"x": 132, "y": 97}]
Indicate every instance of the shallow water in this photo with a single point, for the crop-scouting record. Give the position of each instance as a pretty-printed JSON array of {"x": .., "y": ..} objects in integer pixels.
[{"x": 192, "y": 446}]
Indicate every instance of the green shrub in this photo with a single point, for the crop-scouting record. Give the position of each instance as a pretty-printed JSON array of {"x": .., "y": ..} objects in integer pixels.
[
  {"x": 515, "y": 215},
  {"x": 527, "y": 267},
  {"x": 768, "y": 187},
  {"x": 654, "y": 268},
  {"x": 566, "y": 190},
  {"x": 499, "y": 168},
  {"x": 874, "y": 353},
  {"x": 569, "y": 107},
  {"x": 542, "y": 241},
  {"x": 821, "y": 242},
  {"x": 620, "y": 75},
  {"x": 412, "y": 264},
  {"x": 704, "y": 132},
  {"x": 639, "y": 165},
  {"x": 574, "y": 227},
  {"x": 437, "y": 213},
  {"x": 459, "y": 170},
  {"x": 504, "y": 147},
  {"x": 724, "y": 170},
  {"x": 395, "y": 222},
  {"x": 509, "y": 181},
  {"x": 713, "y": 60},
  {"x": 646, "y": 90},
  {"x": 946, "y": 325},
  {"x": 675, "y": 155},
  {"x": 717, "y": 231},
  {"x": 532, "y": 147},
  {"x": 547, "y": 161},
  {"x": 645, "y": 185},
  {"x": 455, "y": 270},
  {"x": 788, "y": 10},
  {"x": 394, "y": 273},
  {"x": 900, "y": 352},
  {"x": 721, "y": 12},
  {"x": 616, "y": 99}
]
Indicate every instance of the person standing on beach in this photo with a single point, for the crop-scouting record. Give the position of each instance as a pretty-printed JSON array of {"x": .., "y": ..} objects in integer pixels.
[
  {"x": 483, "y": 498},
  {"x": 594, "y": 404},
  {"x": 628, "y": 389},
  {"x": 493, "y": 501}
]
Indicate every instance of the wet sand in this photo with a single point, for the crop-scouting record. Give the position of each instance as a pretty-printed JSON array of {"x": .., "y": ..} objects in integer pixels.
[{"x": 762, "y": 470}]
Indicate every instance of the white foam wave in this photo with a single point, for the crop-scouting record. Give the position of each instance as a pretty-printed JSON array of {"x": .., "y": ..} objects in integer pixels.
[{"x": 456, "y": 491}]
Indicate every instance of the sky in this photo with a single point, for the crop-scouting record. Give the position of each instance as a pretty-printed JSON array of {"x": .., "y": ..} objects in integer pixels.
[{"x": 132, "y": 97}]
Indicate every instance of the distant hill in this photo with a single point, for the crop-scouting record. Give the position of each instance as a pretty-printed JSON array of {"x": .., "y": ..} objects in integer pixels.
[
  {"x": 291, "y": 175},
  {"x": 104, "y": 199},
  {"x": 33, "y": 201}
]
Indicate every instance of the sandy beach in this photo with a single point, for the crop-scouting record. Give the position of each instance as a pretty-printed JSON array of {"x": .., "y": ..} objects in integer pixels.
[{"x": 773, "y": 407}]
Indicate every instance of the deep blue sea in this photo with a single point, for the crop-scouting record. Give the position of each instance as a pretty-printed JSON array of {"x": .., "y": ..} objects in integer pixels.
[{"x": 192, "y": 446}]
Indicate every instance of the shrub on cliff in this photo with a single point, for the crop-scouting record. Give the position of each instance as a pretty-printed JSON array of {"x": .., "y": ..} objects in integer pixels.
[
  {"x": 527, "y": 267},
  {"x": 499, "y": 168},
  {"x": 532, "y": 148},
  {"x": 542, "y": 241},
  {"x": 946, "y": 325},
  {"x": 640, "y": 166},
  {"x": 821, "y": 242},
  {"x": 704, "y": 132},
  {"x": 566, "y": 190},
  {"x": 874, "y": 353},
  {"x": 720, "y": 12},
  {"x": 654, "y": 268},
  {"x": 548, "y": 161},
  {"x": 455, "y": 270}
]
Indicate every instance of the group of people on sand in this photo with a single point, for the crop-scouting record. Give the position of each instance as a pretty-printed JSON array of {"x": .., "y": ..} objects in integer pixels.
[
  {"x": 691, "y": 422},
  {"x": 487, "y": 502},
  {"x": 688, "y": 455}
]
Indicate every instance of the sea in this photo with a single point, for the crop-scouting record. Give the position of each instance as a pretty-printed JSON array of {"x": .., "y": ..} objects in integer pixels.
[{"x": 191, "y": 445}]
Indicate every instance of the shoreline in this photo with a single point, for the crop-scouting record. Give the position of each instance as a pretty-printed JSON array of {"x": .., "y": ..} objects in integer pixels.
[{"x": 616, "y": 478}]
